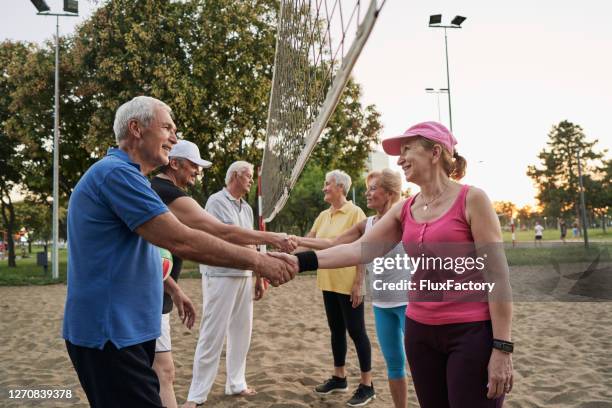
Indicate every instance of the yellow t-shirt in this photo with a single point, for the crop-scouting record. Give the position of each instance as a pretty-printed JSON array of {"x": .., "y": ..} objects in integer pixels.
[{"x": 331, "y": 225}]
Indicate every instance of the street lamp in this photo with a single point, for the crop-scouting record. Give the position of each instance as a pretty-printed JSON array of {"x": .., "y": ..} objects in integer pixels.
[
  {"x": 72, "y": 7},
  {"x": 435, "y": 21},
  {"x": 437, "y": 92}
]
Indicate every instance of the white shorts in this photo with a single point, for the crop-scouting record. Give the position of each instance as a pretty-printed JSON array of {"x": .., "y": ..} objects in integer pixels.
[{"x": 164, "y": 342}]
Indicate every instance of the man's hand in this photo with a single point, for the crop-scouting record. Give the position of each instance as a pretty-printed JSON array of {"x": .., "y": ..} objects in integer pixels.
[
  {"x": 284, "y": 242},
  {"x": 185, "y": 307},
  {"x": 260, "y": 288},
  {"x": 276, "y": 270},
  {"x": 290, "y": 261}
]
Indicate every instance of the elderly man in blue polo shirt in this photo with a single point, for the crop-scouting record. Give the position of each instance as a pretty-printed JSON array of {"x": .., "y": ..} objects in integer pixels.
[{"x": 114, "y": 299}]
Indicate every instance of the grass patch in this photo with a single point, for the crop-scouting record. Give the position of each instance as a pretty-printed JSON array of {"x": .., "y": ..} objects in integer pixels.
[
  {"x": 555, "y": 235},
  {"x": 28, "y": 273}
]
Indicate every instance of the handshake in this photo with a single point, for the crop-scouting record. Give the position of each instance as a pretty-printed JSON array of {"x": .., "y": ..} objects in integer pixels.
[{"x": 279, "y": 267}]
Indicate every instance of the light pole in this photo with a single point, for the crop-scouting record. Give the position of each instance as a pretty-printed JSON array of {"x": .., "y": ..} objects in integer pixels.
[
  {"x": 72, "y": 7},
  {"x": 437, "y": 92},
  {"x": 435, "y": 21}
]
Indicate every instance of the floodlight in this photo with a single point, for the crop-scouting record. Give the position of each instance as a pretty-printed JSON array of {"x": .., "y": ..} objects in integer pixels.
[
  {"x": 41, "y": 5},
  {"x": 458, "y": 20},
  {"x": 435, "y": 19},
  {"x": 71, "y": 6}
]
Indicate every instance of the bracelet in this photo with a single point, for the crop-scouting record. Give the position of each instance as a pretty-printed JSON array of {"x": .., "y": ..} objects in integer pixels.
[
  {"x": 307, "y": 261},
  {"x": 503, "y": 345}
]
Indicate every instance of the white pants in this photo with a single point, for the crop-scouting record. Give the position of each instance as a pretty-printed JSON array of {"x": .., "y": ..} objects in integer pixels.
[{"x": 227, "y": 311}]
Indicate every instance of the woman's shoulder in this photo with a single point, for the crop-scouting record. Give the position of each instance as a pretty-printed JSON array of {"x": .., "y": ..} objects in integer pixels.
[{"x": 475, "y": 195}]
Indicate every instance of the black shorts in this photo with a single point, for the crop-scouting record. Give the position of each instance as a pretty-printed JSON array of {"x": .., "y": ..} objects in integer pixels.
[
  {"x": 538, "y": 237},
  {"x": 114, "y": 377}
]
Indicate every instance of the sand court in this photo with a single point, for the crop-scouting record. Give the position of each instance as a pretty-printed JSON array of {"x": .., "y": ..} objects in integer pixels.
[{"x": 562, "y": 356}]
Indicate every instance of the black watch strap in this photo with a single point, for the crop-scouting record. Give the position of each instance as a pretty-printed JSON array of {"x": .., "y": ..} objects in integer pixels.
[{"x": 503, "y": 345}]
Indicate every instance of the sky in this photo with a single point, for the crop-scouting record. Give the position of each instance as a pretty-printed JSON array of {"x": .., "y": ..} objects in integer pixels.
[{"x": 516, "y": 69}]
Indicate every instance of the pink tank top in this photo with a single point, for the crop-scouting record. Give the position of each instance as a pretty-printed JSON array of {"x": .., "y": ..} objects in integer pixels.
[{"x": 449, "y": 235}]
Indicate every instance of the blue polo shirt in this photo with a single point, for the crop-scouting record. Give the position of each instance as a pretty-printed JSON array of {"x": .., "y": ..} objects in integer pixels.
[{"x": 114, "y": 276}]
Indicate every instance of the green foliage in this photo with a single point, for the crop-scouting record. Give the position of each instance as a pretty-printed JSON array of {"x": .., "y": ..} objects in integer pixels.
[
  {"x": 36, "y": 218},
  {"x": 557, "y": 174},
  {"x": 13, "y": 57}
]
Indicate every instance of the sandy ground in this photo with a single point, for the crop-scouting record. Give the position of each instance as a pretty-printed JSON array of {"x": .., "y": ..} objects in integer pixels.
[{"x": 562, "y": 359}]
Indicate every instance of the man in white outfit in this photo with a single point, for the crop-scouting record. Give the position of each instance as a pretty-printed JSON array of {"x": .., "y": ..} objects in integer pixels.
[{"x": 228, "y": 299}]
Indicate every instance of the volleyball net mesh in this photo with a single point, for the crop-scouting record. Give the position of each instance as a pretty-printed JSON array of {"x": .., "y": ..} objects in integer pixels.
[{"x": 317, "y": 45}]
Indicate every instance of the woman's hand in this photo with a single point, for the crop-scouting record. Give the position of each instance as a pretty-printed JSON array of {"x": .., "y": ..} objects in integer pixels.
[
  {"x": 501, "y": 379},
  {"x": 356, "y": 294}
]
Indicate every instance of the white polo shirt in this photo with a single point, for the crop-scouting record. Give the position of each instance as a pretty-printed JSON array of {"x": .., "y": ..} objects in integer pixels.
[{"x": 229, "y": 210}]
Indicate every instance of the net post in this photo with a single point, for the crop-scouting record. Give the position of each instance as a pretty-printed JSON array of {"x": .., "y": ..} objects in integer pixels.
[{"x": 262, "y": 224}]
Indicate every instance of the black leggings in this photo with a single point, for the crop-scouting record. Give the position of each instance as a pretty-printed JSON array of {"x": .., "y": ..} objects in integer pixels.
[
  {"x": 341, "y": 316},
  {"x": 449, "y": 362}
]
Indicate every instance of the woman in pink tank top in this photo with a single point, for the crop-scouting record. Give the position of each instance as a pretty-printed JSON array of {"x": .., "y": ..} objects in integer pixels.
[{"x": 458, "y": 342}]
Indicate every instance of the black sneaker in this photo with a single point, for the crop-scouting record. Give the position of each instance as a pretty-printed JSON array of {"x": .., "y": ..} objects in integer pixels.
[
  {"x": 363, "y": 394},
  {"x": 334, "y": 384}
]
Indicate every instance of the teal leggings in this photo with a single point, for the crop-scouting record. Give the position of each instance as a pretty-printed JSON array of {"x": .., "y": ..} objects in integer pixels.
[{"x": 390, "y": 323}]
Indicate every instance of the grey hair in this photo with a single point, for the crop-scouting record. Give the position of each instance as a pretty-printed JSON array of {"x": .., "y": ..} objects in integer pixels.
[
  {"x": 340, "y": 178},
  {"x": 141, "y": 108},
  {"x": 237, "y": 167}
]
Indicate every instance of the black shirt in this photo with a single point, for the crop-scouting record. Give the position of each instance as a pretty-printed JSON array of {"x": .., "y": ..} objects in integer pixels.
[{"x": 168, "y": 192}]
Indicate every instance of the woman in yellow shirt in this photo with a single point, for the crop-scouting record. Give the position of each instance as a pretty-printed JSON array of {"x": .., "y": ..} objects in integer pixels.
[{"x": 342, "y": 293}]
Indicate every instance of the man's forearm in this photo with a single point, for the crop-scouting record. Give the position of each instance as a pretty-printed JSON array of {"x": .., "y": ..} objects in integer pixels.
[
  {"x": 243, "y": 236},
  {"x": 204, "y": 248},
  {"x": 170, "y": 286}
]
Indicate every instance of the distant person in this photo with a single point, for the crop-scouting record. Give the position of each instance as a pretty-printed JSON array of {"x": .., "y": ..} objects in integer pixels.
[
  {"x": 575, "y": 229},
  {"x": 563, "y": 229},
  {"x": 539, "y": 232}
]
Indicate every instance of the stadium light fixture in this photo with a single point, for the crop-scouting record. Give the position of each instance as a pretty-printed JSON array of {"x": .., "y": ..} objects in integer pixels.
[
  {"x": 71, "y": 6},
  {"x": 41, "y": 5},
  {"x": 458, "y": 20},
  {"x": 435, "y": 21}
]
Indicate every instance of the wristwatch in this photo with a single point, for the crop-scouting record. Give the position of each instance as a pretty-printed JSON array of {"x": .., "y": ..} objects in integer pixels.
[{"x": 505, "y": 346}]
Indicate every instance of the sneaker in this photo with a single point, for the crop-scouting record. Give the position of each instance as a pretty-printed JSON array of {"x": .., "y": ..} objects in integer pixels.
[
  {"x": 363, "y": 394},
  {"x": 334, "y": 384}
]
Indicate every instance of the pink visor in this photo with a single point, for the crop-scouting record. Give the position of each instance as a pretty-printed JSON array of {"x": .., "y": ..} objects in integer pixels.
[{"x": 434, "y": 131}]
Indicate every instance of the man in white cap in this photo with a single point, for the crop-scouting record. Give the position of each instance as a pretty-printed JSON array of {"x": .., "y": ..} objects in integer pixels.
[{"x": 181, "y": 172}]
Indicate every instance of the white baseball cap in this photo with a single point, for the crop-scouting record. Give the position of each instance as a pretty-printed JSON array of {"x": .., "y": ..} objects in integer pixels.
[{"x": 189, "y": 150}]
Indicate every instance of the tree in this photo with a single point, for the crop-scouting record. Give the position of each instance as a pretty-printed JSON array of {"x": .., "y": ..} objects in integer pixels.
[
  {"x": 35, "y": 217},
  {"x": 505, "y": 211},
  {"x": 13, "y": 57},
  {"x": 556, "y": 177}
]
